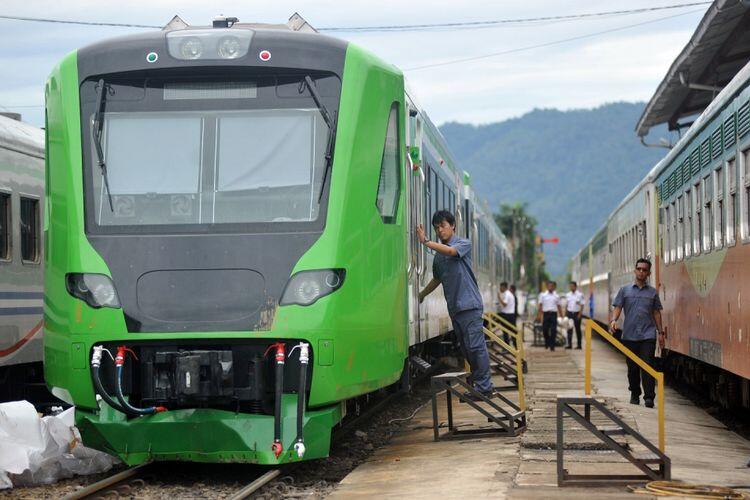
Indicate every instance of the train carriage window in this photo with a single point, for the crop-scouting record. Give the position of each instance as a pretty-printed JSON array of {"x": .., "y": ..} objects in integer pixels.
[
  {"x": 697, "y": 218},
  {"x": 688, "y": 231},
  {"x": 719, "y": 233},
  {"x": 708, "y": 222},
  {"x": 389, "y": 185},
  {"x": 668, "y": 236},
  {"x": 680, "y": 224},
  {"x": 29, "y": 229},
  {"x": 731, "y": 202},
  {"x": 746, "y": 196},
  {"x": 5, "y": 225}
]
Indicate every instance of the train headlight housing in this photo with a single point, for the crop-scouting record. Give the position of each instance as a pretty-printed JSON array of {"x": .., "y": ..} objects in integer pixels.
[
  {"x": 217, "y": 43},
  {"x": 306, "y": 287},
  {"x": 97, "y": 290}
]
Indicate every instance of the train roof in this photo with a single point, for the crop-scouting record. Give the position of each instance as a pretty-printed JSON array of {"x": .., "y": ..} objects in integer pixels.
[
  {"x": 21, "y": 137},
  {"x": 296, "y": 29},
  {"x": 717, "y": 51}
]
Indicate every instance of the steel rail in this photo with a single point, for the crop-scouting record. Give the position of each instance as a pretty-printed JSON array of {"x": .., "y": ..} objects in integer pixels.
[
  {"x": 256, "y": 485},
  {"x": 106, "y": 483}
]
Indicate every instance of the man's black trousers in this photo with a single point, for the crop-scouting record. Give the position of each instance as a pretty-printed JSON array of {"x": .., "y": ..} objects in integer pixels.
[
  {"x": 549, "y": 328},
  {"x": 577, "y": 323},
  {"x": 644, "y": 349},
  {"x": 510, "y": 318}
]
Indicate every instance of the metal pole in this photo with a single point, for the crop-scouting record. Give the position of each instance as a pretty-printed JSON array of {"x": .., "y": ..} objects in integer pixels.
[
  {"x": 587, "y": 375},
  {"x": 660, "y": 408}
]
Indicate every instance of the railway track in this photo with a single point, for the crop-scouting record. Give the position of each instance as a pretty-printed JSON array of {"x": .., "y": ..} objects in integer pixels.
[{"x": 127, "y": 482}]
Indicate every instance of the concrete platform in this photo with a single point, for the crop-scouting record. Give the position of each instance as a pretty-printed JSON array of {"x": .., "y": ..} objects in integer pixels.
[{"x": 412, "y": 465}]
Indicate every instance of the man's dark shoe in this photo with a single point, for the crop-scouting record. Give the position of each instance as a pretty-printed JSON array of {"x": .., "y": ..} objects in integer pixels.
[
  {"x": 578, "y": 347},
  {"x": 649, "y": 403},
  {"x": 569, "y": 347},
  {"x": 636, "y": 400}
]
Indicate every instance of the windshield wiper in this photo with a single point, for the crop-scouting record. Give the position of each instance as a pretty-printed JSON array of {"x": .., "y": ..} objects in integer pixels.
[
  {"x": 96, "y": 135},
  {"x": 331, "y": 122}
]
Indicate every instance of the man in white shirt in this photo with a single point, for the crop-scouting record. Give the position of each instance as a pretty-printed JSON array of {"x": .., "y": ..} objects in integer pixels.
[
  {"x": 574, "y": 310},
  {"x": 547, "y": 313},
  {"x": 507, "y": 308}
]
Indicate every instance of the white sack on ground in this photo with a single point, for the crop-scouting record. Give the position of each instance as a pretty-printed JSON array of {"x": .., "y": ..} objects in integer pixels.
[{"x": 36, "y": 450}]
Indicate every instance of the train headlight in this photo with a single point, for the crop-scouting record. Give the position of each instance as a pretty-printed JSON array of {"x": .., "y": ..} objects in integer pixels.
[
  {"x": 97, "y": 290},
  {"x": 217, "y": 43},
  {"x": 191, "y": 48},
  {"x": 306, "y": 287},
  {"x": 230, "y": 47}
]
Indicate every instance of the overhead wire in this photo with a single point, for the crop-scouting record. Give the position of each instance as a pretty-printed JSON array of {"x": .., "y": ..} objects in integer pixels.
[
  {"x": 547, "y": 44},
  {"x": 496, "y": 22},
  {"x": 533, "y": 21}
]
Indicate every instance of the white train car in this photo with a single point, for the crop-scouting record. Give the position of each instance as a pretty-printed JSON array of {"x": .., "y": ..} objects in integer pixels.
[{"x": 21, "y": 249}]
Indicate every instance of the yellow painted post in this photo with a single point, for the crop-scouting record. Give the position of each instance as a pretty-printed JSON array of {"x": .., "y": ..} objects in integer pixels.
[
  {"x": 519, "y": 375},
  {"x": 587, "y": 376},
  {"x": 660, "y": 408}
]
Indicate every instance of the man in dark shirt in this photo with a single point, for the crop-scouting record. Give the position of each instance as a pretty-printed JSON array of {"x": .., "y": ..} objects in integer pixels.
[
  {"x": 452, "y": 268},
  {"x": 642, "y": 326}
]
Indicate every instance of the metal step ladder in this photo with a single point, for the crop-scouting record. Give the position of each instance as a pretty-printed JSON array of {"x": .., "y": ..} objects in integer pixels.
[
  {"x": 654, "y": 465},
  {"x": 509, "y": 418}
]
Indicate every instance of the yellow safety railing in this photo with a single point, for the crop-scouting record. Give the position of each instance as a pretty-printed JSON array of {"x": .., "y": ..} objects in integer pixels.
[
  {"x": 497, "y": 322},
  {"x": 659, "y": 376},
  {"x": 519, "y": 363}
]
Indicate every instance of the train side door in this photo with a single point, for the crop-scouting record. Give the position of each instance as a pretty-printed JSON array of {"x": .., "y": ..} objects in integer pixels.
[{"x": 415, "y": 216}]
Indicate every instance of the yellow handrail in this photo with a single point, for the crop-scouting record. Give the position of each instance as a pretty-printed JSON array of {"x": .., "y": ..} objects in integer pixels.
[
  {"x": 659, "y": 376},
  {"x": 515, "y": 333},
  {"x": 502, "y": 320},
  {"x": 519, "y": 364},
  {"x": 497, "y": 326}
]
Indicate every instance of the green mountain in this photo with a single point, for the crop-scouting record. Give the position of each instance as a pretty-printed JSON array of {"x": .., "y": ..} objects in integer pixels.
[{"x": 571, "y": 167}]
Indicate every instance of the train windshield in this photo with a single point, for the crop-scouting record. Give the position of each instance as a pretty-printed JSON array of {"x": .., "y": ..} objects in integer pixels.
[{"x": 210, "y": 154}]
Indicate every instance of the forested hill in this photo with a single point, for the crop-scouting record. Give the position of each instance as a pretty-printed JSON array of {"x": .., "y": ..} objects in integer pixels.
[{"x": 571, "y": 167}]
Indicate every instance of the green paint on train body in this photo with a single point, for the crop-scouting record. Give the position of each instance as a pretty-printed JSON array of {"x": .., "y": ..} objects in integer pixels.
[{"x": 358, "y": 334}]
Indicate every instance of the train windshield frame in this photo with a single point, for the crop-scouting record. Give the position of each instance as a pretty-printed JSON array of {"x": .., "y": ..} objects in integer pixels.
[{"x": 237, "y": 153}]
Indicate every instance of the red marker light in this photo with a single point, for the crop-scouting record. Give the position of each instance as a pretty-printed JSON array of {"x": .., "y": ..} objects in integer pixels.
[{"x": 264, "y": 55}]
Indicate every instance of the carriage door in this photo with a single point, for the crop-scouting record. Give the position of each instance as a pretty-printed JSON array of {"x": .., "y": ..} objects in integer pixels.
[{"x": 416, "y": 216}]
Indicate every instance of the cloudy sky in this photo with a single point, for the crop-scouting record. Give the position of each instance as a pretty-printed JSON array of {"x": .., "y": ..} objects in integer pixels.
[{"x": 626, "y": 62}]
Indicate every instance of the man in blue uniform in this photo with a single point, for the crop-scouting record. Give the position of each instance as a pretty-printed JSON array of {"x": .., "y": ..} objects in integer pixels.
[
  {"x": 452, "y": 268},
  {"x": 639, "y": 332}
]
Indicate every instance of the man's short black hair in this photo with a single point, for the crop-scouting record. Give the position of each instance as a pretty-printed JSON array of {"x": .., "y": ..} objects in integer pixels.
[
  {"x": 574, "y": 283},
  {"x": 443, "y": 215},
  {"x": 643, "y": 261},
  {"x": 504, "y": 283},
  {"x": 552, "y": 283}
]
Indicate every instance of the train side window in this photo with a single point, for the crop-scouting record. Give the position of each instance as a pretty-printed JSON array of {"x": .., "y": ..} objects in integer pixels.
[
  {"x": 29, "y": 230},
  {"x": 708, "y": 222},
  {"x": 668, "y": 235},
  {"x": 688, "y": 231},
  {"x": 731, "y": 202},
  {"x": 719, "y": 233},
  {"x": 680, "y": 227},
  {"x": 389, "y": 185},
  {"x": 746, "y": 196},
  {"x": 5, "y": 225},
  {"x": 697, "y": 218}
]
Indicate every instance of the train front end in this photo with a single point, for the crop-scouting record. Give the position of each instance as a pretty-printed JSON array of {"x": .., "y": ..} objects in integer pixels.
[{"x": 192, "y": 281}]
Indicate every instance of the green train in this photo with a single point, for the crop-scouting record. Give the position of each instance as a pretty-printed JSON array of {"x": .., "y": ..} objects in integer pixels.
[{"x": 229, "y": 239}]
